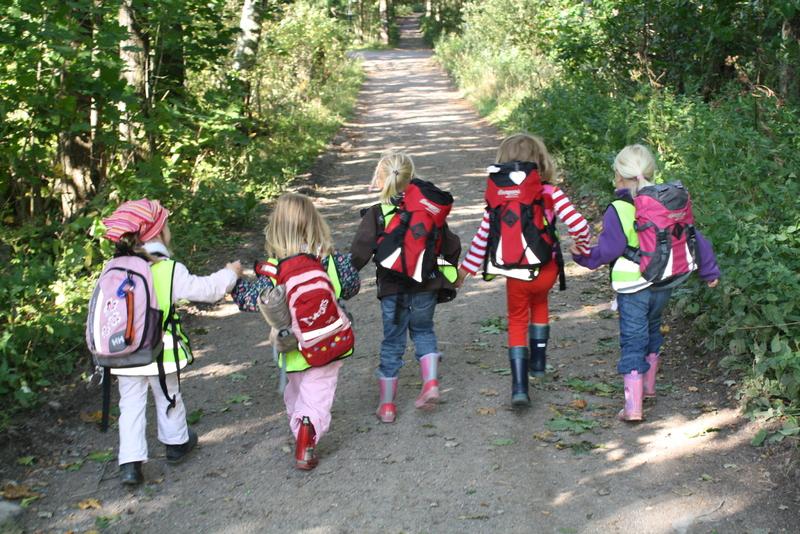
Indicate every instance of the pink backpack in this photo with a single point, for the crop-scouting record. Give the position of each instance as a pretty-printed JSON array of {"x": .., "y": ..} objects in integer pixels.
[
  {"x": 667, "y": 240},
  {"x": 124, "y": 325}
]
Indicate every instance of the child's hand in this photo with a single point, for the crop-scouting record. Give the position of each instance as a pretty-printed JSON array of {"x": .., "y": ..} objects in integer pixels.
[
  {"x": 236, "y": 267},
  {"x": 575, "y": 250},
  {"x": 713, "y": 283},
  {"x": 462, "y": 275}
]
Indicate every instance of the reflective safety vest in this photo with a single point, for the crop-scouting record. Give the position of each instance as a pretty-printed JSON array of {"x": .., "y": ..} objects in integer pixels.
[
  {"x": 163, "y": 275},
  {"x": 294, "y": 360},
  {"x": 448, "y": 270},
  {"x": 626, "y": 275}
]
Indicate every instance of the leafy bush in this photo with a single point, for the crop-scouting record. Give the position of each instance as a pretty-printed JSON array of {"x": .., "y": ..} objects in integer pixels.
[{"x": 737, "y": 153}]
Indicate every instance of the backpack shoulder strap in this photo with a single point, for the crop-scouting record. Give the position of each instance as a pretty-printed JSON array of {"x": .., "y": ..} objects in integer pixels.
[{"x": 169, "y": 321}]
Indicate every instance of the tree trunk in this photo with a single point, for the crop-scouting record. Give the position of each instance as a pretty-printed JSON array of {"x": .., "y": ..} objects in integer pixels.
[
  {"x": 788, "y": 83},
  {"x": 383, "y": 10},
  {"x": 134, "y": 52},
  {"x": 247, "y": 42},
  {"x": 77, "y": 181}
]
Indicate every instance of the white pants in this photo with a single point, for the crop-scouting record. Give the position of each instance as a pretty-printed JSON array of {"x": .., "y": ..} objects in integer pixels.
[{"x": 172, "y": 427}]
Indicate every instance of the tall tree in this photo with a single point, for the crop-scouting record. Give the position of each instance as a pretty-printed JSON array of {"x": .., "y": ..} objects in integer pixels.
[
  {"x": 78, "y": 178},
  {"x": 135, "y": 55},
  {"x": 383, "y": 13}
]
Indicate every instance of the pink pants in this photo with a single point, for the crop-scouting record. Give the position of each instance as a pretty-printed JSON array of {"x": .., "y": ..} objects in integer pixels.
[{"x": 310, "y": 393}]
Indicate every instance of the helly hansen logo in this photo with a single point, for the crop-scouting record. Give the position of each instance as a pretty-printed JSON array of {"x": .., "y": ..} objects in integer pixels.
[
  {"x": 430, "y": 206},
  {"x": 323, "y": 307},
  {"x": 511, "y": 193}
]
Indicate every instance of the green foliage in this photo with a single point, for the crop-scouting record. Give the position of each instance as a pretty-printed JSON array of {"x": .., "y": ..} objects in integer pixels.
[
  {"x": 207, "y": 153},
  {"x": 569, "y": 71}
]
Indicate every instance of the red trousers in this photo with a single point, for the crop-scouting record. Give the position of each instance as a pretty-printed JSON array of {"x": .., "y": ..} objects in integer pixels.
[{"x": 527, "y": 303}]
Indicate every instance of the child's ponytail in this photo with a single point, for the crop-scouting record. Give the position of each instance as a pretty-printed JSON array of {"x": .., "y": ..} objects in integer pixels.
[
  {"x": 635, "y": 162},
  {"x": 392, "y": 175}
]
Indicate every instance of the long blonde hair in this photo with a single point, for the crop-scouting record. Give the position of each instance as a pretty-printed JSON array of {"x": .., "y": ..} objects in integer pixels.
[
  {"x": 527, "y": 147},
  {"x": 296, "y": 226},
  {"x": 392, "y": 174},
  {"x": 636, "y": 165}
]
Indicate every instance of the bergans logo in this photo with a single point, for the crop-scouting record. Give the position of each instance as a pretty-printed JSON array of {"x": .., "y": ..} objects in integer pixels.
[
  {"x": 323, "y": 307},
  {"x": 509, "y": 192},
  {"x": 431, "y": 207}
]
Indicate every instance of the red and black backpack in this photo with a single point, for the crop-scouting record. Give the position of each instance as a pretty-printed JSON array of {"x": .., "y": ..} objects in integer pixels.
[
  {"x": 412, "y": 239},
  {"x": 521, "y": 236}
]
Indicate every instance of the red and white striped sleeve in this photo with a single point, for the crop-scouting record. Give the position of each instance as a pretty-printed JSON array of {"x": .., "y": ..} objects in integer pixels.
[
  {"x": 576, "y": 224},
  {"x": 473, "y": 261}
]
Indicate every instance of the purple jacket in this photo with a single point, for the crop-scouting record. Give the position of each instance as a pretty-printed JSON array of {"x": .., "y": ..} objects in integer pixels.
[{"x": 611, "y": 244}]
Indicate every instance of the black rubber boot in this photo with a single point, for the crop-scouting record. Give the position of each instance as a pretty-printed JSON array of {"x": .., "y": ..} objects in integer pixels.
[
  {"x": 130, "y": 474},
  {"x": 518, "y": 358},
  {"x": 176, "y": 453},
  {"x": 538, "y": 334}
]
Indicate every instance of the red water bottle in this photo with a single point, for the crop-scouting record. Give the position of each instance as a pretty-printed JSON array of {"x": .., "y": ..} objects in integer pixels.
[{"x": 304, "y": 456}]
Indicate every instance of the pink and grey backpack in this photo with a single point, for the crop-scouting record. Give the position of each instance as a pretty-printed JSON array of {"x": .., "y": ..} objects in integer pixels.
[
  {"x": 667, "y": 241},
  {"x": 124, "y": 325}
]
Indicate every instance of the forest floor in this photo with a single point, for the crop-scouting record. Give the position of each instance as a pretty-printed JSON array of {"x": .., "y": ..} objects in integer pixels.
[{"x": 565, "y": 465}]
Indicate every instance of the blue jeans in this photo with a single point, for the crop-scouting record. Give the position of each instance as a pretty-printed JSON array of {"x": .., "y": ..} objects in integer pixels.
[
  {"x": 640, "y": 327},
  {"x": 410, "y": 313}
]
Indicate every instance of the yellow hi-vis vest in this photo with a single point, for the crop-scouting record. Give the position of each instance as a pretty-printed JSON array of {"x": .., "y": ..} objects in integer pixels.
[
  {"x": 626, "y": 276},
  {"x": 448, "y": 270},
  {"x": 163, "y": 273},
  {"x": 294, "y": 361}
]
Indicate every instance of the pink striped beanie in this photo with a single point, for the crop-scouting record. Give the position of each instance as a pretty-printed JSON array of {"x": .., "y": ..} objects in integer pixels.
[{"x": 144, "y": 217}]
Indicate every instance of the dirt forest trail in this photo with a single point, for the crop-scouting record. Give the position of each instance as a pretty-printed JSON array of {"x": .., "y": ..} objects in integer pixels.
[{"x": 566, "y": 465}]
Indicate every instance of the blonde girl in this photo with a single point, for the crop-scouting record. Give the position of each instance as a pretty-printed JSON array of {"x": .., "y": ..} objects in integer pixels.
[
  {"x": 296, "y": 227},
  {"x": 407, "y": 309},
  {"x": 639, "y": 312},
  {"x": 527, "y": 300}
]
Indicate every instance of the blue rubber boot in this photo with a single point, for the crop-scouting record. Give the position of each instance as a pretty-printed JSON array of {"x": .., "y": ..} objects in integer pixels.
[
  {"x": 538, "y": 334},
  {"x": 518, "y": 358}
]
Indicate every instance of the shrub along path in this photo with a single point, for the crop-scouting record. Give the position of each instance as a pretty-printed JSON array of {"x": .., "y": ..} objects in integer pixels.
[{"x": 564, "y": 465}]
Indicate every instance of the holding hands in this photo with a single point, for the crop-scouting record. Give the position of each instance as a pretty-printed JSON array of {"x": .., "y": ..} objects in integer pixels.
[{"x": 236, "y": 267}]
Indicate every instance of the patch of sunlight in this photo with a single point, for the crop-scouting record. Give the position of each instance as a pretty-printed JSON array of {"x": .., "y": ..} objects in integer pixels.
[
  {"x": 585, "y": 311},
  {"x": 225, "y": 309},
  {"x": 225, "y": 433},
  {"x": 562, "y": 498},
  {"x": 212, "y": 370},
  {"x": 677, "y": 438}
]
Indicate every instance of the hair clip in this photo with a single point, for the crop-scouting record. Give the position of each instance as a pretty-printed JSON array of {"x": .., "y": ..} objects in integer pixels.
[{"x": 396, "y": 172}]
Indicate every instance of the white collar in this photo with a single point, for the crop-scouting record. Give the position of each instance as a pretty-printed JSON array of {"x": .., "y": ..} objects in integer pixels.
[{"x": 157, "y": 247}]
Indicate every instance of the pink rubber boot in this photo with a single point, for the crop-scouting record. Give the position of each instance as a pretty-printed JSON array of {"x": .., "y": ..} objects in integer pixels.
[
  {"x": 387, "y": 410},
  {"x": 429, "y": 395},
  {"x": 633, "y": 397},
  {"x": 650, "y": 376}
]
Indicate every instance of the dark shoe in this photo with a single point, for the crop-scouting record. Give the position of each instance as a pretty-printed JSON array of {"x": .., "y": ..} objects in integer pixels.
[
  {"x": 176, "y": 453},
  {"x": 538, "y": 335},
  {"x": 518, "y": 358},
  {"x": 130, "y": 474}
]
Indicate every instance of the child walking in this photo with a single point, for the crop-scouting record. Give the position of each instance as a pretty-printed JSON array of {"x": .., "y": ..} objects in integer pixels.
[
  {"x": 140, "y": 228},
  {"x": 640, "y": 304},
  {"x": 407, "y": 307},
  {"x": 297, "y": 232},
  {"x": 516, "y": 239}
]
